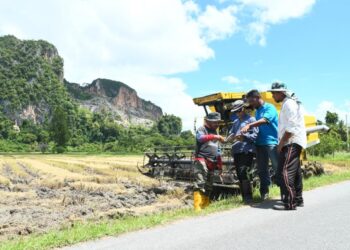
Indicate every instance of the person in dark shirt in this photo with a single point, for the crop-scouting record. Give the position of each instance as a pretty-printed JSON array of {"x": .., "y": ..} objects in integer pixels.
[
  {"x": 243, "y": 148},
  {"x": 207, "y": 159}
]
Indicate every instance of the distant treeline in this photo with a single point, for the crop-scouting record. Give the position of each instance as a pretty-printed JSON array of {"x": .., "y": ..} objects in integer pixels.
[
  {"x": 90, "y": 132},
  {"x": 334, "y": 140}
]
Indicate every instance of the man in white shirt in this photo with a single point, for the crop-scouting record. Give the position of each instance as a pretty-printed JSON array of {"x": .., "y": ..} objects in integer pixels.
[{"x": 292, "y": 139}]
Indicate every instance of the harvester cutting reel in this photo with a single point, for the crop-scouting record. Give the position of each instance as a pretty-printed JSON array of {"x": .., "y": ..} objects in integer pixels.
[{"x": 179, "y": 163}]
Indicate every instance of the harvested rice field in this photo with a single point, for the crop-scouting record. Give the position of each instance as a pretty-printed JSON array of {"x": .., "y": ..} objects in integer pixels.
[{"x": 42, "y": 192}]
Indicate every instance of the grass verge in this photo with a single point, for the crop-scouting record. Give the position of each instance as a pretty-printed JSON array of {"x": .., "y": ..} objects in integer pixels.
[{"x": 93, "y": 230}]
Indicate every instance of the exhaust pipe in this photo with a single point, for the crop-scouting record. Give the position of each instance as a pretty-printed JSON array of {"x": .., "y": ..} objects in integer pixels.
[{"x": 319, "y": 128}]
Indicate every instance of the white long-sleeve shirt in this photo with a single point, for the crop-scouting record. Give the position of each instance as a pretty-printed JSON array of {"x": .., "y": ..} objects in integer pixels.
[{"x": 291, "y": 119}]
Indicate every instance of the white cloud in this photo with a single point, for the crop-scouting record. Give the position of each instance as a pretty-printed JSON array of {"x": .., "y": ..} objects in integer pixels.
[
  {"x": 231, "y": 79},
  {"x": 138, "y": 42},
  {"x": 218, "y": 24},
  {"x": 341, "y": 110},
  {"x": 269, "y": 12},
  {"x": 143, "y": 42}
]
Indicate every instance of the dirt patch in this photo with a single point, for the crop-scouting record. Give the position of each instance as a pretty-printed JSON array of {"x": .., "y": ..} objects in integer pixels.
[{"x": 27, "y": 206}]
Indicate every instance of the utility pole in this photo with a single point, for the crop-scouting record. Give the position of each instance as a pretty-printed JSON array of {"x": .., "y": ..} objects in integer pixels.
[{"x": 347, "y": 132}]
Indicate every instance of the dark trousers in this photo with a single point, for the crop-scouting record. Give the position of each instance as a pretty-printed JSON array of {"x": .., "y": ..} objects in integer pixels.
[
  {"x": 243, "y": 162},
  {"x": 291, "y": 175},
  {"x": 263, "y": 155}
]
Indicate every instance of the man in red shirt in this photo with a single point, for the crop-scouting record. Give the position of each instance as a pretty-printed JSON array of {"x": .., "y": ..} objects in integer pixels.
[{"x": 208, "y": 158}]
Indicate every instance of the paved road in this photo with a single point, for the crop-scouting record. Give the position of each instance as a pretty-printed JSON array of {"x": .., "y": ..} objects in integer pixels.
[{"x": 324, "y": 223}]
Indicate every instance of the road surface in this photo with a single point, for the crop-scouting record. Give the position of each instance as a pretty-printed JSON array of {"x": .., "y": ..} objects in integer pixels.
[{"x": 324, "y": 223}]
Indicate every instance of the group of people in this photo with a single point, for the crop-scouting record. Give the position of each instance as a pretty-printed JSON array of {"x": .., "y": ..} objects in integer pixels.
[{"x": 269, "y": 137}]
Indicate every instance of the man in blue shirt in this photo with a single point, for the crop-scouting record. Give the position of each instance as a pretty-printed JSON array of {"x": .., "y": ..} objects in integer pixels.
[{"x": 266, "y": 143}]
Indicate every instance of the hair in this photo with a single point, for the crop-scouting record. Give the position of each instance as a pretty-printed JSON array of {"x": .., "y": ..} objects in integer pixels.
[{"x": 253, "y": 93}]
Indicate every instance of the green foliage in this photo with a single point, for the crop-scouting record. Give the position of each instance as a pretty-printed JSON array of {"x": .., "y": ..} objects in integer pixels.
[
  {"x": 60, "y": 149},
  {"x": 5, "y": 127},
  {"x": 31, "y": 75},
  {"x": 330, "y": 143},
  {"x": 75, "y": 90},
  {"x": 60, "y": 133},
  {"x": 13, "y": 146},
  {"x": 331, "y": 118},
  {"x": 333, "y": 141},
  {"x": 169, "y": 125}
]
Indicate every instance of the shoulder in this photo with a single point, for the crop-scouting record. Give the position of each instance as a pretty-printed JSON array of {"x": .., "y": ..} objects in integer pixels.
[
  {"x": 270, "y": 110},
  {"x": 290, "y": 104},
  {"x": 235, "y": 121},
  {"x": 201, "y": 129},
  {"x": 251, "y": 119},
  {"x": 269, "y": 106}
]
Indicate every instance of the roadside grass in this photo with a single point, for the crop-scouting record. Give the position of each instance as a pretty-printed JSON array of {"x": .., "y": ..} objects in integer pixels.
[
  {"x": 341, "y": 159},
  {"x": 85, "y": 231}
]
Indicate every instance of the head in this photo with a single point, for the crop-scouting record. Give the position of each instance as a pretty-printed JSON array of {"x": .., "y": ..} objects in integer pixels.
[
  {"x": 239, "y": 108},
  {"x": 240, "y": 112},
  {"x": 279, "y": 91},
  {"x": 212, "y": 120},
  {"x": 212, "y": 124},
  {"x": 254, "y": 98},
  {"x": 278, "y": 96}
]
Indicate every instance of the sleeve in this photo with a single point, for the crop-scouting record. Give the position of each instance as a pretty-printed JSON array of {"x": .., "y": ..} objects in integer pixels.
[
  {"x": 233, "y": 129},
  {"x": 202, "y": 136},
  {"x": 270, "y": 113},
  {"x": 291, "y": 115},
  {"x": 252, "y": 133}
]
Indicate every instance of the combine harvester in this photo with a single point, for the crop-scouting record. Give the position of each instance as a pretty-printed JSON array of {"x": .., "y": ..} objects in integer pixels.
[{"x": 177, "y": 162}]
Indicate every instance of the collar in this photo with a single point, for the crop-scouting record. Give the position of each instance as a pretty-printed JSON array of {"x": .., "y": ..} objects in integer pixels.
[
  {"x": 262, "y": 106},
  {"x": 285, "y": 100}
]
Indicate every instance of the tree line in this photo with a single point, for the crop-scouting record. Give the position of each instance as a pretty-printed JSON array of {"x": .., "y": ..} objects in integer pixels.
[
  {"x": 90, "y": 132},
  {"x": 333, "y": 141}
]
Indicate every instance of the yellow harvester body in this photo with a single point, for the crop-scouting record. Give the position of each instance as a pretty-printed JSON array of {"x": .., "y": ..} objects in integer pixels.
[{"x": 218, "y": 102}]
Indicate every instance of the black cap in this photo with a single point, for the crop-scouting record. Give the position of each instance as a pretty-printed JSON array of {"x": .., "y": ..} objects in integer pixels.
[{"x": 213, "y": 117}]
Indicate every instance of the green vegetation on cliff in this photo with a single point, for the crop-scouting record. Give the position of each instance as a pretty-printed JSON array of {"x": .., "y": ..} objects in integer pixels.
[{"x": 32, "y": 89}]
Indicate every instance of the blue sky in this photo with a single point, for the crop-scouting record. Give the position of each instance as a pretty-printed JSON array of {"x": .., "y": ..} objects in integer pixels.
[
  {"x": 173, "y": 50},
  {"x": 311, "y": 54}
]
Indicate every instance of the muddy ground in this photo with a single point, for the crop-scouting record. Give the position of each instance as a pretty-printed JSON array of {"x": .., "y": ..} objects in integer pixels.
[{"x": 27, "y": 206}]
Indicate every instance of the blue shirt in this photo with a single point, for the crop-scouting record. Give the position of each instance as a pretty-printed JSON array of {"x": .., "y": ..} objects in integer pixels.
[
  {"x": 268, "y": 133},
  {"x": 247, "y": 145}
]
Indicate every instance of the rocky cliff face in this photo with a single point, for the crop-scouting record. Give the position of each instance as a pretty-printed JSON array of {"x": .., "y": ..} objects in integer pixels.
[
  {"x": 32, "y": 84},
  {"x": 117, "y": 98}
]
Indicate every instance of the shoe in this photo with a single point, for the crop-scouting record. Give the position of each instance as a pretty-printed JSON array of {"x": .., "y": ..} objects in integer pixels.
[
  {"x": 246, "y": 190},
  {"x": 283, "y": 207},
  {"x": 264, "y": 196},
  {"x": 197, "y": 201},
  {"x": 248, "y": 200},
  {"x": 300, "y": 204}
]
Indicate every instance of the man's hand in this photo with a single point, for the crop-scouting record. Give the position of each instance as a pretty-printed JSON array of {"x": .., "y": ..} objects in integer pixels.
[
  {"x": 279, "y": 147},
  {"x": 220, "y": 138},
  {"x": 239, "y": 138},
  {"x": 245, "y": 129},
  {"x": 284, "y": 140}
]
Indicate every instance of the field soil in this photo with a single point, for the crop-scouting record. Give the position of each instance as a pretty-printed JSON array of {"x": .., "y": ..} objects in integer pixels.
[{"x": 43, "y": 192}]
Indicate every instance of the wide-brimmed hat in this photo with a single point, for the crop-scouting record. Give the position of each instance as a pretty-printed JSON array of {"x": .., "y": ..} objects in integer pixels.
[
  {"x": 278, "y": 87},
  {"x": 213, "y": 117},
  {"x": 237, "y": 105}
]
